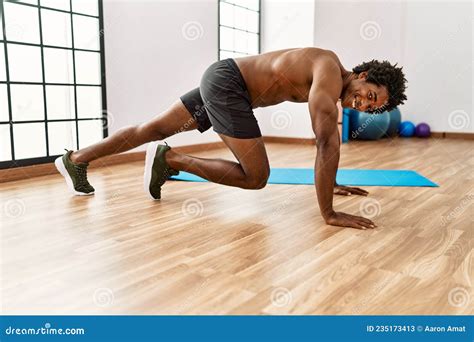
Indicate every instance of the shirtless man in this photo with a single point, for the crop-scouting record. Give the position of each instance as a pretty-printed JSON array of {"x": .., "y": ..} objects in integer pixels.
[{"x": 228, "y": 92}]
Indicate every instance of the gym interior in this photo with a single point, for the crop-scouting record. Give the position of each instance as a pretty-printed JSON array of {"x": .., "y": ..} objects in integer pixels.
[{"x": 73, "y": 72}]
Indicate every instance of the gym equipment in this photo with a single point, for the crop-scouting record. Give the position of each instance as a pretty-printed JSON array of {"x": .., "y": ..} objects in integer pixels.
[
  {"x": 423, "y": 130},
  {"x": 344, "y": 177},
  {"x": 346, "y": 114},
  {"x": 367, "y": 126},
  {"x": 395, "y": 119},
  {"x": 406, "y": 129}
]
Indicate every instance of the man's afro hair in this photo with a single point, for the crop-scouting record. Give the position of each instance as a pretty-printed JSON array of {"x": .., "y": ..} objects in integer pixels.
[{"x": 388, "y": 75}]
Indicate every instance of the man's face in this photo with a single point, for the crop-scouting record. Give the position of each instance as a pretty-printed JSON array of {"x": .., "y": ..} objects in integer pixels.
[{"x": 364, "y": 96}]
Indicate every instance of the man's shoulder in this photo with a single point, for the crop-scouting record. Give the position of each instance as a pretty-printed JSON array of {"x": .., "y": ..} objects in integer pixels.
[
  {"x": 327, "y": 71},
  {"x": 325, "y": 65},
  {"x": 321, "y": 54},
  {"x": 328, "y": 60},
  {"x": 327, "y": 75}
]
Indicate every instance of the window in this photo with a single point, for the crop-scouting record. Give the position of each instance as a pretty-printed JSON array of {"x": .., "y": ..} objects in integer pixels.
[
  {"x": 239, "y": 28},
  {"x": 52, "y": 80}
]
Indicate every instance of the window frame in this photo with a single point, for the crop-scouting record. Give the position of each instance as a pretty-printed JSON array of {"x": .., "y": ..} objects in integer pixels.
[
  {"x": 219, "y": 27},
  {"x": 3, "y": 39}
]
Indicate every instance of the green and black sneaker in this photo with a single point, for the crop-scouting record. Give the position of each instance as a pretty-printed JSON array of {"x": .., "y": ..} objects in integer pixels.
[
  {"x": 157, "y": 170},
  {"x": 75, "y": 175}
]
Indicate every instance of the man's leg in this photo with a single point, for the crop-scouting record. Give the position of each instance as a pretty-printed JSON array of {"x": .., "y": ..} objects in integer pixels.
[
  {"x": 73, "y": 165},
  {"x": 175, "y": 119},
  {"x": 251, "y": 171}
]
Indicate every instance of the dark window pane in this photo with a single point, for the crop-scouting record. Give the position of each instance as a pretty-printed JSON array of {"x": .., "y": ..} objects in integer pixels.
[
  {"x": 3, "y": 103},
  {"x": 29, "y": 140},
  {"x": 59, "y": 4},
  {"x": 61, "y": 135},
  {"x": 60, "y": 102},
  {"x": 27, "y": 102},
  {"x": 88, "y": 67},
  {"x": 3, "y": 70},
  {"x": 21, "y": 23},
  {"x": 58, "y": 66},
  {"x": 5, "y": 146},
  {"x": 90, "y": 7},
  {"x": 90, "y": 132},
  {"x": 56, "y": 28},
  {"x": 89, "y": 102},
  {"x": 24, "y": 63},
  {"x": 86, "y": 32}
]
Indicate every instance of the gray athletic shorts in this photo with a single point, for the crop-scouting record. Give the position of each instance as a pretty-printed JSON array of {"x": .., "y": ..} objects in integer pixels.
[{"x": 223, "y": 102}]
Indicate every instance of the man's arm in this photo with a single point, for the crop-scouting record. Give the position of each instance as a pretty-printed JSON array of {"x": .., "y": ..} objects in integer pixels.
[
  {"x": 347, "y": 190},
  {"x": 324, "y": 121},
  {"x": 322, "y": 106}
]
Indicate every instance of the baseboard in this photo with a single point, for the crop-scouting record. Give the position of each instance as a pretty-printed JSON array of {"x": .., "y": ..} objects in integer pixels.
[
  {"x": 288, "y": 140},
  {"x": 26, "y": 172},
  {"x": 453, "y": 135}
]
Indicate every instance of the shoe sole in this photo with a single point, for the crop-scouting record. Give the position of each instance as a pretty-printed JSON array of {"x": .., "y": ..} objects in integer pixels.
[
  {"x": 149, "y": 159},
  {"x": 59, "y": 163}
]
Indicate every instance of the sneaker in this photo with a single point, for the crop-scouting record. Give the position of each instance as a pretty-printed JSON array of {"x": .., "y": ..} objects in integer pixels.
[
  {"x": 157, "y": 170},
  {"x": 75, "y": 175}
]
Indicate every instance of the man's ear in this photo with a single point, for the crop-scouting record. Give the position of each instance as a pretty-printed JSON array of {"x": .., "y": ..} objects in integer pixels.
[{"x": 363, "y": 75}]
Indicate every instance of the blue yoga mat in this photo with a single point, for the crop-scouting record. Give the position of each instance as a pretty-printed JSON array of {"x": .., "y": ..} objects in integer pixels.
[{"x": 344, "y": 177}]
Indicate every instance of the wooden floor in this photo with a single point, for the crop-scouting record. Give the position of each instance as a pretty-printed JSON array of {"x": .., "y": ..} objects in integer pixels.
[{"x": 211, "y": 249}]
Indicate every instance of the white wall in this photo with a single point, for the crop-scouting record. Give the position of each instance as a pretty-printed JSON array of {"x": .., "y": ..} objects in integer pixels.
[
  {"x": 149, "y": 61},
  {"x": 286, "y": 24},
  {"x": 341, "y": 26},
  {"x": 438, "y": 61}
]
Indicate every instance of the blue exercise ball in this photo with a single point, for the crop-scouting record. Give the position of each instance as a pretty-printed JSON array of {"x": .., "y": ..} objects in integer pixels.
[
  {"x": 395, "y": 120},
  {"x": 406, "y": 129},
  {"x": 367, "y": 126}
]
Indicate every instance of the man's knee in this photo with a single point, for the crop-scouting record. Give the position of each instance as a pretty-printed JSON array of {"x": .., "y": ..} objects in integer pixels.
[{"x": 259, "y": 180}]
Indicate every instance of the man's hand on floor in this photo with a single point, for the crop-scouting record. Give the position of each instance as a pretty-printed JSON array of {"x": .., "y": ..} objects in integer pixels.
[
  {"x": 348, "y": 190},
  {"x": 347, "y": 220}
]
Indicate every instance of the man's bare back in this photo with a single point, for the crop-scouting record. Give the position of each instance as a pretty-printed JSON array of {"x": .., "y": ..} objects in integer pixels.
[
  {"x": 284, "y": 75},
  {"x": 287, "y": 75}
]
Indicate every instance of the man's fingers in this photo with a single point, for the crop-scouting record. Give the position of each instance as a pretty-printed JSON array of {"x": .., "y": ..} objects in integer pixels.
[
  {"x": 367, "y": 221},
  {"x": 354, "y": 222},
  {"x": 363, "y": 221},
  {"x": 343, "y": 192},
  {"x": 357, "y": 225},
  {"x": 358, "y": 191},
  {"x": 360, "y": 218},
  {"x": 347, "y": 191},
  {"x": 368, "y": 225}
]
